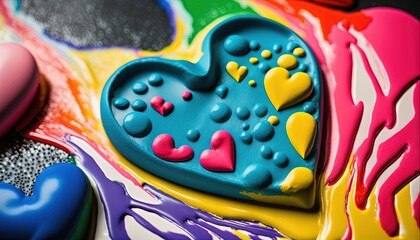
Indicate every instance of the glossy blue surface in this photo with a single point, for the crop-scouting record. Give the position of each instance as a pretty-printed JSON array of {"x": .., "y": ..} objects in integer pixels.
[
  {"x": 61, "y": 192},
  {"x": 217, "y": 96}
]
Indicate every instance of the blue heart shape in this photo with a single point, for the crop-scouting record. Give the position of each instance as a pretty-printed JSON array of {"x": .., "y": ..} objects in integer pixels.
[
  {"x": 58, "y": 209},
  {"x": 205, "y": 99}
]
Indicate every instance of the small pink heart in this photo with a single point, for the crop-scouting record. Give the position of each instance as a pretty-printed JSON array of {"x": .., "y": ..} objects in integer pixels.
[
  {"x": 164, "y": 147},
  {"x": 162, "y": 107},
  {"x": 222, "y": 156},
  {"x": 19, "y": 82}
]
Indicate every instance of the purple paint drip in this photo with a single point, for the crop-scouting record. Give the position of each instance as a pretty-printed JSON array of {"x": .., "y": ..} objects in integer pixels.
[{"x": 196, "y": 223}]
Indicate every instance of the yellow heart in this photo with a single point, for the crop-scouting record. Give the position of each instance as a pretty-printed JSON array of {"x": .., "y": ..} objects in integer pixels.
[
  {"x": 301, "y": 130},
  {"x": 285, "y": 91},
  {"x": 236, "y": 72}
]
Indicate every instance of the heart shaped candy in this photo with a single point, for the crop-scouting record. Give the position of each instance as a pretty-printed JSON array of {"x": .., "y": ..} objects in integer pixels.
[
  {"x": 231, "y": 132},
  {"x": 18, "y": 84},
  {"x": 58, "y": 209}
]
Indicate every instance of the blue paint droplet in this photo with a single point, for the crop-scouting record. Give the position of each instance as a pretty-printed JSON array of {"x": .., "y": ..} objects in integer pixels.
[
  {"x": 254, "y": 45},
  {"x": 277, "y": 47},
  {"x": 155, "y": 80},
  {"x": 220, "y": 112},
  {"x": 264, "y": 67},
  {"x": 138, "y": 105},
  {"x": 291, "y": 46},
  {"x": 245, "y": 126},
  {"x": 221, "y": 91},
  {"x": 246, "y": 137},
  {"x": 140, "y": 88},
  {"x": 260, "y": 110},
  {"x": 242, "y": 112},
  {"x": 263, "y": 131},
  {"x": 266, "y": 152},
  {"x": 236, "y": 45},
  {"x": 257, "y": 176},
  {"x": 121, "y": 103},
  {"x": 193, "y": 135},
  {"x": 309, "y": 107},
  {"x": 303, "y": 67},
  {"x": 280, "y": 159},
  {"x": 137, "y": 124}
]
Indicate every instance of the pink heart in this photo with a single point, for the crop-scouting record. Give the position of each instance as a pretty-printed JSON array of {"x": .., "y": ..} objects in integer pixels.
[
  {"x": 19, "y": 82},
  {"x": 164, "y": 147},
  {"x": 162, "y": 107},
  {"x": 222, "y": 156}
]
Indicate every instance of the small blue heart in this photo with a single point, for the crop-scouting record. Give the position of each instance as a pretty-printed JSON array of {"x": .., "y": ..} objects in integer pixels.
[{"x": 61, "y": 200}]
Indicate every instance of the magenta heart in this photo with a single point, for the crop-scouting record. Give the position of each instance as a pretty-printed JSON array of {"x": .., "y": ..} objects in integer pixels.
[
  {"x": 19, "y": 82},
  {"x": 164, "y": 147},
  {"x": 162, "y": 107},
  {"x": 222, "y": 156}
]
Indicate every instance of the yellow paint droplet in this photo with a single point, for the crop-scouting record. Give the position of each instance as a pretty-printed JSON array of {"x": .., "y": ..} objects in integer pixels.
[
  {"x": 273, "y": 120},
  {"x": 285, "y": 91},
  {"x": 252, "y": 83},
  {"x": 299, "y": 52},
  {"x": 298, "y": 179},
  {"x": 253, "y": 60},
  {"x": 266, "y": 54},
  {"x": 235, "y": 71},
  {"x": 287, "y": 61},
  {"x": 301, "y": 130}
]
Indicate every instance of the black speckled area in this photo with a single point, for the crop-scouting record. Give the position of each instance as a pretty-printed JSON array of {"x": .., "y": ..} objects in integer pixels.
[
  {"x": 22, "y": 160},
  {"x": 141, "y": 24}
]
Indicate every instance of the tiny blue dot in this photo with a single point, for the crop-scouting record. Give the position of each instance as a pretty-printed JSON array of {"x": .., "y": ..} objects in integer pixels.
[
  {"x": 257, "y": 176},
  {"x": 309, "y": 107},
  {"x": 138, "y": 105},
  {"x": 260, "y": 110},
  {"x": 137, "y": 124},
  {"x": 264, "y": 67},
  {"x": 121, "y": 103},
  {"x": 155, "y": 80},
  {"x": 220, "y": 112},
  {"x": 263, "y": 131},
  {"x": 246, "y": 137},
  {"x": 193, "y": 135},
  {"x": 245, "y": 126},
  {"x": 140, "y": 88},
  {"x": 266, "y": 152},
  {"x": 236, "y": 45},
  {"x": 280, "y": 159},
  {"x": 303, "y": 67},
  {"x": 254, "y": 45},
  {"x": 291, "y": 46},
  {"x": 242, "y": 112},
  {"x": 221, "y": 91},
  {"x": 277, "y": 47}
]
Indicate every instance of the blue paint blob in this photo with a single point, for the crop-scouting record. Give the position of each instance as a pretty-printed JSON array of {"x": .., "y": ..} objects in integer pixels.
[
  {"x": 138, "y": 105},
  {"x": 246, "y": 137},
  {"x": 220, "y": 112},
  {"x": 309, "y": 107},
  {"x": 221, "y": 91},
  {"x": 245, "y": 126},
  {"x": 291, "y": 46},
  {"x": 277, "y": 47},
  {"x": 303, "y": 67},
  {"x": 137, "y": 124},
  {"x": 264, "y": 67},
  {"x": 121, "y": 103},
  {"x": 193, "y": 135},
  {"x": 242, "y": 112},
  {"x": 257, "y": 176},
  {"x": 263, "y": 131},
  {"x": 155, "y": 80},
  {"x": 236, "y": 45},
  {"x": 140, "y": 88},
  {"x": 260, "y": 110},
  {"x": 280, "y": 159},
  {"x": 266, "y": 152},
  {"x": 254, "y": 45}
]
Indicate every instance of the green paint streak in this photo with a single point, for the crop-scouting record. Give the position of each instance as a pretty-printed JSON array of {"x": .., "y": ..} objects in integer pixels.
[
  {"x": 203, "y": 12},
  {"x": 83, "y": 223},
  {"x": 72, "y": 160}
]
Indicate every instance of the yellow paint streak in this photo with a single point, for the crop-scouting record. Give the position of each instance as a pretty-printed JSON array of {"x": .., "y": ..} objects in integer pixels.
[{"x": 240, "y": 235}]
